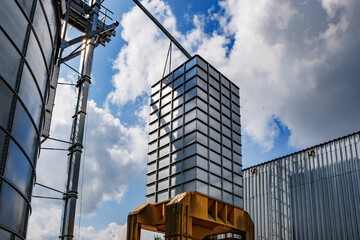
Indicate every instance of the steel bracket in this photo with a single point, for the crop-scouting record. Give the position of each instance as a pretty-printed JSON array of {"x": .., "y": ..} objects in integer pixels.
[
  {"x": 105, "y": 30},
  {"x": 70, "y": 195}
]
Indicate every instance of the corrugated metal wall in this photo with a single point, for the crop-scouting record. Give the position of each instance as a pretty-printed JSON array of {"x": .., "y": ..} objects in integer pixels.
[{"x": 307, "y": 197}]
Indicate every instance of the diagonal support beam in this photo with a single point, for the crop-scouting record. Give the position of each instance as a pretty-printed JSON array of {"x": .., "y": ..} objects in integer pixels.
[
  {"x": 71, "y": 56},
  {"x": 178, "y": 45}
]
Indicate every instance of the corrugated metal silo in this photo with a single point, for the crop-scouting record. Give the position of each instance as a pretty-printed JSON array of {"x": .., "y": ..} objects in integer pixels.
[
  {"x": 311, "y": 194},
  {"x": 28, "y": 38}
]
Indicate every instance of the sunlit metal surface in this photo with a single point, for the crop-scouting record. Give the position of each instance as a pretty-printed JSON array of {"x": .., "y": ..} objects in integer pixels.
[{"x": 311, "y": 194}]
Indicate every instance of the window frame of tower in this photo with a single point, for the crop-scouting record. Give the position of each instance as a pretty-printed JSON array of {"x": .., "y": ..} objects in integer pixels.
[
  {"x": 151, "y": 166},
  {"x": 179, "y": 111},
  {"x": 155, "y": 97},
  {"x": 178, "y": 91},
  {"x": 176, "y": 155},
  {"x": 153, "y": 116},
  {"x": 215, "y": 83},
  {"x": 215, "y": 135}
]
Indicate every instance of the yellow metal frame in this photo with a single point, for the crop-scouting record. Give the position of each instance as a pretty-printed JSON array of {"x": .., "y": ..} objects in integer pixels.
[{"x": 190, "y": 216}]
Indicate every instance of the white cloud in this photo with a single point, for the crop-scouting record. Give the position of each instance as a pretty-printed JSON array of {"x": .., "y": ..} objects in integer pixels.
[
  {"x": 143, "y": 114},
  {"x": 141, "y": 61},
  {"x": 114, "y": 155},
  {"x": 282, "y": 57},
  {"x": 44, "y": 225},
  {"x": 282, "y": 72},
  {"x": 332, "y": 6},
  {"x": 44, "y": 222}
]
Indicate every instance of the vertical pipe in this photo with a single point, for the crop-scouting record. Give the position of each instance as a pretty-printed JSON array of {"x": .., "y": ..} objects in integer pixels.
[{"x": 77, "y": 133}]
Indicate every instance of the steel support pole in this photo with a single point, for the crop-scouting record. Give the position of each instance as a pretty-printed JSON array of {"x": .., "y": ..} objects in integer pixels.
[{"x": 77, "y": 133}]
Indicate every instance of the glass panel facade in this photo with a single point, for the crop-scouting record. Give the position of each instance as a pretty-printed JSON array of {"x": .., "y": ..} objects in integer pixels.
[
  {"x": 166, "y": 90},
  {"x": 162, "y": 196},
  {"x": 155, "y": 97},
  {"x": 9, "y": 60},
  {"x": 163, "y": 173},
  {"x": 189, "y": 84},
  {"x": 5, "y": 103},
  {"x": 176, "y": 168},
  {"x": 12, "y": 209},
  {"x": 30, "y": 95},
  {"x": 202, "y": 152},
  {"x": 189, "y": 162},
  {"x": 165, "y": 119},
  {"x": 25, "y": 132},
  {"x": 150, "y": 189},
  {"x": 5, "y": 235},
  {"x": 174, "y": 191},
  {"x": 227, "y": 185},
  {"x": 37, "y": 64},
  {"x": 27, "y": 35},
  {"x": 176, "y": 156},
  {"x": 164, "y": 162},
  {"x": 161, "y": 185},
  {"x": 189, "y": 175},
  {"x": 155, "y": 88},
  {"x": 167, "y": 80},
  {"x": 18, "y": 169},
  {"x": 214, "y": 73},
  {"x": 227, "y": 197},
  {"x": 189, "y": 186},
  {"x": 43, "y": 33},
  {"x": 14, "y": 22},
  {"x": 202, "y": 174},
  {"x": 215, "y": 157},
  {"x": 190, "y": 64},
  {"x": 152, "y": 156},
  {"x": 179, "y": 72},
  {"x": 190, "y": 105},
  {"x": 50, "y": 13},
  {"x": 178, "y": 82},
  {"x": 151, "y": 167},
  {"x": 202, "y": 187},
  {"x": 151, "y": 178}
]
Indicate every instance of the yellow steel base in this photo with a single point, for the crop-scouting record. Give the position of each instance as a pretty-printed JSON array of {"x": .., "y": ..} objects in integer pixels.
[{"x": 190, "y": 216}]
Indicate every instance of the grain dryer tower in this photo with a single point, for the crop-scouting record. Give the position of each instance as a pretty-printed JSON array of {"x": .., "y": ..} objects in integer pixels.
[
  {"x": 194, "y": 135},
  {"x": 194, "y": 184}
]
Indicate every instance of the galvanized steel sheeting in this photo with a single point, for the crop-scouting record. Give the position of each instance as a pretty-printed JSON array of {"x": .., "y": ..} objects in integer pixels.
[{"x": 307, "y": 197}]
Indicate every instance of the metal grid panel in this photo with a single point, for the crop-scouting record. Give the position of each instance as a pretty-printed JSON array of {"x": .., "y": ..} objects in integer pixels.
[{"x": 194, "y": 116}]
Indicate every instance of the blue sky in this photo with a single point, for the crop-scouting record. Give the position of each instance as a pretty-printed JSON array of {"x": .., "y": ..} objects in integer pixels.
[{"x": 294, "y": 61}]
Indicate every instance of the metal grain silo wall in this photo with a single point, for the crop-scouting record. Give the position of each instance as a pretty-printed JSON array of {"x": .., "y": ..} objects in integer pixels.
[
  {"x": 28, "y": 30},
  {"x": 307, "y": 197}
]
